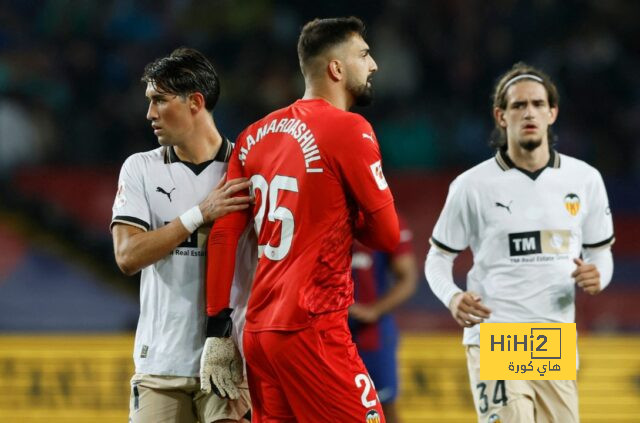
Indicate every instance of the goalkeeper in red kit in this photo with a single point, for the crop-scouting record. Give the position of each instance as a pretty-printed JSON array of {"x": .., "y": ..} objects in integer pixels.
[{"x": 317, "y": 181}]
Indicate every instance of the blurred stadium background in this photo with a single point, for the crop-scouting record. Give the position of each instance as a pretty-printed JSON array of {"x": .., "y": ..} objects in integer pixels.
[{"x": 72, "y": 109}]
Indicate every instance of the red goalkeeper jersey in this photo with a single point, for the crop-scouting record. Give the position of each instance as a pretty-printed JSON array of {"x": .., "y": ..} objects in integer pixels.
[{"x": 312, "y": 168}]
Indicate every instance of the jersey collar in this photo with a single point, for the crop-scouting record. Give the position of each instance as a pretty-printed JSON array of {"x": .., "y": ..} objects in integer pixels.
[
  {"x": 505, "y": 163},
  {"x": 223, "y": 155}
]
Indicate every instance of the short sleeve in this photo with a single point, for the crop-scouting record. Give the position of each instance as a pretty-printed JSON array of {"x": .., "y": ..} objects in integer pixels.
[
  {"x": 452, "y": 230},
  {"x": 360, "y": 164},
  {"x": 597, "y": 227},
  {"x": 130, "y": 205}
]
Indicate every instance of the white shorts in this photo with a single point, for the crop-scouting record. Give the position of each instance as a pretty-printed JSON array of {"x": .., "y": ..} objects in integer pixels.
[
  {"x": 522, "y": 401},
  {"x": 173, "y": 399}
]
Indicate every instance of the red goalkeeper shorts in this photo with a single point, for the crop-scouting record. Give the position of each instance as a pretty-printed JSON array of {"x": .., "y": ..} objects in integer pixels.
[{"x": 310, "y": 375}]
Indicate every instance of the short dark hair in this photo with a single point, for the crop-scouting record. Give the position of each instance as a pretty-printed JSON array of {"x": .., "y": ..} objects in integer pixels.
[
  {"x": 184, "y": 72},
  {"x": 319, "y": 35},
  {"x": 498, "y": 136}
]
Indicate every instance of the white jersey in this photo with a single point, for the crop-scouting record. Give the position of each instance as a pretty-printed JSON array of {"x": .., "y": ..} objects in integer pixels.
[
  {"x": 154, "y": 188},
  {"x": 524, "y": 230}
]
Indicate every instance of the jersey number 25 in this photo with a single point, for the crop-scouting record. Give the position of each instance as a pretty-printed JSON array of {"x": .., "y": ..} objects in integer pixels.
[{"x": 270, "y": 191}]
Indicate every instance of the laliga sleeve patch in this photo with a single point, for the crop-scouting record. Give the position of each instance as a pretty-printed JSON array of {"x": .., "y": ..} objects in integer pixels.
[
  {"x": 376, "y": 169},
  {"x": 121, "y": 199}
]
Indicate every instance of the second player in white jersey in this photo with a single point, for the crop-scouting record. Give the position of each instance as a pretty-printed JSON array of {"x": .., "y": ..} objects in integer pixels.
[
  {"x": 538, "y": 224},
  {"x": 524, "y": 229}
]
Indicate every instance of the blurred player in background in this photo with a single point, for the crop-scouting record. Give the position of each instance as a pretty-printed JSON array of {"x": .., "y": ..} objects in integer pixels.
[
  {"x": 167, "y": 199},
  {"x": 382, "y": 282},
  {"x": 317, "y": 180},
  {"x": 528, "y": 202}
]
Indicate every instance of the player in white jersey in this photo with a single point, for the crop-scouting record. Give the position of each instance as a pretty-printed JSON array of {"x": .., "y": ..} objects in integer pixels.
[
  {"x": 538, "y": 223},
  {"x": 166, "y": 202}
]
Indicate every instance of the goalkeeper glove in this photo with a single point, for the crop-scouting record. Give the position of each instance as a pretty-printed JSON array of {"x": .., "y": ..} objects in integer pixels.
[{"x": 221, "y": 369}]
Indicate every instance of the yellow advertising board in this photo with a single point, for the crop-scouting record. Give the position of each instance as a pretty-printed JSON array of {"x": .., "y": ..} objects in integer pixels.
[{"x": 79, "y": 379}]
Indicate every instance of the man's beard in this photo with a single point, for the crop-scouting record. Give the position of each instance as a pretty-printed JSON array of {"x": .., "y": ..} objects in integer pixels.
[
  {"x": 530, "y": 145},
  {"x": 362, "y": 94}
]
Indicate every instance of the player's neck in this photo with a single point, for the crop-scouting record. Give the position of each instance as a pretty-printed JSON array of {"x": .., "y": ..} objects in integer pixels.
[
  {"x": 201, "y": 145},
  {"x": 332, "y": 93},
  {"x": 529, "y": 160}
]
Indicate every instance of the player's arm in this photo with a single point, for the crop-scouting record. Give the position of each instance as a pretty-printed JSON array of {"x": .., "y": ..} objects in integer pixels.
[
  {"x": 136, "y": 248},
  {"x": 466, "y": 307},
  {"x": 405, "y": 275},
  {"x": 450, "y": 237},
  {"x": 221, "y": 368},
  {"x": 359, "y": 162},
  {"x": 221, "y": 259},
  {"x": 379, "y": 230},
  {"x": 594, "y": 271}
]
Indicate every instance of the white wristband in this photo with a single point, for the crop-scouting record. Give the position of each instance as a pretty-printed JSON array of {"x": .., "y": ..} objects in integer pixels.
[{"x": 192, "y": 219}]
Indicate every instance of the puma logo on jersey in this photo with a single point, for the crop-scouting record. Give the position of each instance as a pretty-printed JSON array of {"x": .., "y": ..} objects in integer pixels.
[
  {"x": 168, "y": 194},
  {"x": 369, "y": 136},
  {"x": 498, "y": 204}
]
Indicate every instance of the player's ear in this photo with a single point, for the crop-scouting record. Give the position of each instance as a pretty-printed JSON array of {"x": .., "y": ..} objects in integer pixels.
[
  {"x": 335, "y": 69},
  {"x": 553, "y": 112},
  {"x": 498, "y": 116},
  {"x": 196, "y": 102}
]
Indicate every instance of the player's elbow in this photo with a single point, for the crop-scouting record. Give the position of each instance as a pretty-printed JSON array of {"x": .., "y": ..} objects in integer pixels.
[
  {"x": 434, "y": 263},
  {"x": 379, "y": 230},
  {"x": 390, "y": 231},
  {"x": 126, "y": 263},
  {"x": 428, "y": 268},
  {"x": 386, "y": 238},
  {"x": 387, "y": 228},
  {"x": 391, "y": 241},
  {"x": 128, "y": 270}
]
